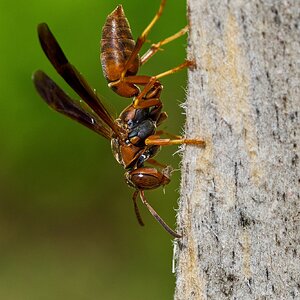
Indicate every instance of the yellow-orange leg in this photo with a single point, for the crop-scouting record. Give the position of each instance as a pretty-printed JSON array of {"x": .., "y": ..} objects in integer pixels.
[
  {"x": 142, "y": 38},
  {"x": 139, "y": 102},
  {"x": 156, "y": 47},
  {"x": 157, "y": 141},
  {"x": 186, "y": 64}
]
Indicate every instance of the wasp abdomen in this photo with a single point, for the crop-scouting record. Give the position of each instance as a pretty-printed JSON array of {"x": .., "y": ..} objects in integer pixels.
[{"x": 116, "y": 46}]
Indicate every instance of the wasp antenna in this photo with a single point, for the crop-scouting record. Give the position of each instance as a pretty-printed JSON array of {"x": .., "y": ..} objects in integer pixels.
[
  {"x": 136, "y": 208},
  {"x": 157, "y": 217}
]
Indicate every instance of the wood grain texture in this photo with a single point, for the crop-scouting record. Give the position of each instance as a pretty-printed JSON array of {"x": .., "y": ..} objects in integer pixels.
[{"x": 239, "y": 208}]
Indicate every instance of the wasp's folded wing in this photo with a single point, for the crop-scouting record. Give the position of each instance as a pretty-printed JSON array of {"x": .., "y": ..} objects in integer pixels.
[
  {"x": 70, "y": 74},
  {"x": 56, "y": 98}
]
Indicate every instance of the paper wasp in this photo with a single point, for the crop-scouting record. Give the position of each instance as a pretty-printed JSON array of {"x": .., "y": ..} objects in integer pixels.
[{"x": 134, "y": 138}]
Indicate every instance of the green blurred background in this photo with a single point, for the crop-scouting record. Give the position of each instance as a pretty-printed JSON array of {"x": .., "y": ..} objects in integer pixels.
[{"x": 67, "y": 226}]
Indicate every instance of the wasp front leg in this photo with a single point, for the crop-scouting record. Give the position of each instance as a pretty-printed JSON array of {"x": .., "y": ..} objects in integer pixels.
[{"x": 158, "y": 141}]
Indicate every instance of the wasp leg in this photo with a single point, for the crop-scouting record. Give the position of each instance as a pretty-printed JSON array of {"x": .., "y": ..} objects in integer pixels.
[
  {"x": 146, "y": 103},
  {"x": 149, "y": 82},
  {"x": 139, "y": 98},
  {"x": 136, "y": 208},
  {"x": 157, "y": 46},
  {"x": 156, "y": 140},
  {"x": 186, "y": 64},
  {"x": 142, "y": 38},
  {"x": 157, "y": 217}
]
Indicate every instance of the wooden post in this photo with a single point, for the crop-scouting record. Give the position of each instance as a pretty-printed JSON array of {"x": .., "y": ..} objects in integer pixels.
[{"x": 239, "y": 207}]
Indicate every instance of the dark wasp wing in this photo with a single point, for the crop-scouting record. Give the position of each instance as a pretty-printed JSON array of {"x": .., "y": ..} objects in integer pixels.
[
  {"x": 56, "y": 98},
  {"x": 70, "y": 74}
]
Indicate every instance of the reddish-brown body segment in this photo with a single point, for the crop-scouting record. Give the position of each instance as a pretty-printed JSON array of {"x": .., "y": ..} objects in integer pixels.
[
  {"x": 146, "y": 178},
  {"x": 117, "y": 44}
]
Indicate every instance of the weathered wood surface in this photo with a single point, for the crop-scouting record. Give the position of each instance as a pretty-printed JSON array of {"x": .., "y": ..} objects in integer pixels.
[{"x": 239, "y": 205}]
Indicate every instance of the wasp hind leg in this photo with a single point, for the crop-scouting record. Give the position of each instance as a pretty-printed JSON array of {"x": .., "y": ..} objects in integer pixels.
[
  {"x": 139, "y": 101},
  {"x": 142, "y": 38},
  {"x": 157, "y": 46}
]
